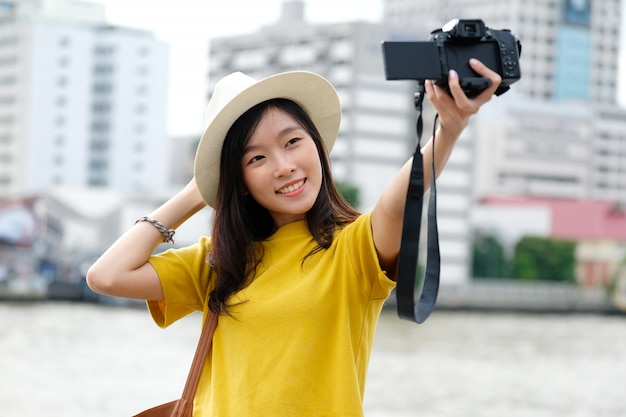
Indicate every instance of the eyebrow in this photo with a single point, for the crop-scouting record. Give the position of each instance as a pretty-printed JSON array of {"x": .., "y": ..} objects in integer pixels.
[{"x": 286, "y": 130}]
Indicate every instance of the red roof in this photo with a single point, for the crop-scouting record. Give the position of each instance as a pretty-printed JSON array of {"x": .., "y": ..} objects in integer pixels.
[{"x": 575, "y": 219}]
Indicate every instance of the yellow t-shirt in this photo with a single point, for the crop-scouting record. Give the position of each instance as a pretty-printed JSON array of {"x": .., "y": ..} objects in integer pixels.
[{"x": 300, "y": 341}]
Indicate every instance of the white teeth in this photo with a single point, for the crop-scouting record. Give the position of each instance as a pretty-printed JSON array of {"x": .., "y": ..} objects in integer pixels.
[{"x": 291, "y": 188}]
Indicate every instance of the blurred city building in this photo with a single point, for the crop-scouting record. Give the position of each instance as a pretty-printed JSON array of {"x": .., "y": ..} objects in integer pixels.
[
  {"x": 82, "y": 103},
  {"x": 82, "y": 136}
]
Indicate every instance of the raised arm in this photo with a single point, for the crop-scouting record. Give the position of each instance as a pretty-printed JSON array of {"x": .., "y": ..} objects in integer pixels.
[
  {"x": 123, "y": 270},
  {"x": 454, "y": 113}
]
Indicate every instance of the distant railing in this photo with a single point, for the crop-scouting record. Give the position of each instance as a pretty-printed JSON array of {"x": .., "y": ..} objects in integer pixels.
[{"x": 525, "y": 296}]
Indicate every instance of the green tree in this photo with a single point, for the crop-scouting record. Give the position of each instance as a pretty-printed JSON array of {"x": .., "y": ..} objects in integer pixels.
[
  {"x": 489, "y": 258},
  {"x": 538, "y": 258},
  {"x": 350, "y": 193}
]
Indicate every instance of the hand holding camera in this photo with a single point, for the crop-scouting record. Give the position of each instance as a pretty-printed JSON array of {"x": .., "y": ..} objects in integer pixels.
[{"x": 451, "y": 48}]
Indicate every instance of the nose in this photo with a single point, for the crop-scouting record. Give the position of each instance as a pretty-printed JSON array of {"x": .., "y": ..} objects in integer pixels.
[{"x": 284, "y": 166}]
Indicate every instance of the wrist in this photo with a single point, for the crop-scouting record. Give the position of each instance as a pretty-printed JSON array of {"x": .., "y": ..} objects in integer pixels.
[
  {"x": 450, "y": 133},
  {"x": 168, "y": 234},
  {"x": 191, "y": 194}
]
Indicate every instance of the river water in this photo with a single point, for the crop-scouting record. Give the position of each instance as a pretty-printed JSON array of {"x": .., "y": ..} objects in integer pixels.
[{"x": 83, "y": 360}]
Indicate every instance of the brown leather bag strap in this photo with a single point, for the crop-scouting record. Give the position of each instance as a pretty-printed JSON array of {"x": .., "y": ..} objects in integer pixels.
[{"x": 202, "y": 351}]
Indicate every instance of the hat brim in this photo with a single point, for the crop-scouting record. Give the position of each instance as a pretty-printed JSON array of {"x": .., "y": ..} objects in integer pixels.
[{"x": 312, "y": 92}]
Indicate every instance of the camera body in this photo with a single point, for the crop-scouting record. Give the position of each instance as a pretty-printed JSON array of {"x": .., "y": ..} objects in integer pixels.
[{"x": 451, "y": 47}]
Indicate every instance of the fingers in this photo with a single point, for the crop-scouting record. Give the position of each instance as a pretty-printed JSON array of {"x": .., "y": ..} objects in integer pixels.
[
  {"x": 464, "y": 104},
  {"x": 454, "y": 111},
  {"x": 486, "y": 72},
  {"x": 454, "y": 85},
  {"x": 455, "y": 108},
  {"x": 442, "y": 100},
  {"x": 462, "y": 101},
  {"x": 433, "y": 91}
]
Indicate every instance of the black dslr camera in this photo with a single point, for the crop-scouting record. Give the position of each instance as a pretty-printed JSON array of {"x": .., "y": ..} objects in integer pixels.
[{"x": 451, "y": 47}]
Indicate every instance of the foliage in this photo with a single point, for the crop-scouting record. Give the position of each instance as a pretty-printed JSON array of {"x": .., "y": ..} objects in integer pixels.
[
  {"x": 538, "y": 258},
  {"x": 350, "y": 193},
  {"x": 617, "y": 287},
  {"x": 618, "y": 274},
  {"x": 489, "y": 258}
]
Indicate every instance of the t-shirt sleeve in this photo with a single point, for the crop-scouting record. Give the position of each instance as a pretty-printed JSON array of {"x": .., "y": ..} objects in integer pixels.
[
  {"x": 364, "y": 258},
  {"x": 185, "y": 275}
]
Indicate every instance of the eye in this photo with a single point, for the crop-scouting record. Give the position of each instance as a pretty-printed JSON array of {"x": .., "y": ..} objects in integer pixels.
[
  {"x": 254, "y": 159},
  {"x": 293, "y": 141}
]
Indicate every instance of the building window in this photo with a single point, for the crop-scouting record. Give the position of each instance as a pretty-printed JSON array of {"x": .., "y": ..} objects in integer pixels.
[
  {"x": 99, "y": 146},
  {"x": 8, "y": 60},
  {"x": 102, "y": 88},
  {"x": 8, "y": 80},
  {"x": 98, "y": 165},
  {"x": 7, "y": 100},
  {"x": 100, "y": 126},
  {"x": 7, "y": 119},
  {"x": 101, "y": 107},
  {"x": 9, "y": 41},
  {"x": 103, "y": 50}
]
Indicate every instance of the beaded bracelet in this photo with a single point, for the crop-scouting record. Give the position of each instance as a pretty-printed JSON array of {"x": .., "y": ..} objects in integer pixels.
[{"x": 168, "y": 234}]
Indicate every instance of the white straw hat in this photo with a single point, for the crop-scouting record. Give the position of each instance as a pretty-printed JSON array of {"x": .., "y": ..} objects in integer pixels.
[{"x": 237, "y": 93}]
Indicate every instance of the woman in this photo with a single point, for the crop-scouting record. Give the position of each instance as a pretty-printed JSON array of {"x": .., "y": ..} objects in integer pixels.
[{"x": 297, "y": 276}]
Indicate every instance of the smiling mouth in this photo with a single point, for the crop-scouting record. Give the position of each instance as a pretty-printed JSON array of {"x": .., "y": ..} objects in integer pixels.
[{"x": 291, "y": 188}]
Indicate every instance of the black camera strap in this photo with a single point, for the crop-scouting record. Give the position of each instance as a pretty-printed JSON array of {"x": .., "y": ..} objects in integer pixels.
[{"x": 408, "y": 283}]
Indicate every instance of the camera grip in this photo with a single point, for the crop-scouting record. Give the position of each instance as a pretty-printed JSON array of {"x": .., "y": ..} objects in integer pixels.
[{"x": 471, "y": 86}]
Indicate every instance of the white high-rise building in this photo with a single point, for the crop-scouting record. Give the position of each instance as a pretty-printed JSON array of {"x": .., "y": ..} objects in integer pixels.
[{"x": 81, "y": 103}]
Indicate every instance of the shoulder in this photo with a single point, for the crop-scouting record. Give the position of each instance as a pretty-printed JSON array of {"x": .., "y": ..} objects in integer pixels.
[
  {"x": 356, "y": 235},
  {"x": 362, "y": 225}
]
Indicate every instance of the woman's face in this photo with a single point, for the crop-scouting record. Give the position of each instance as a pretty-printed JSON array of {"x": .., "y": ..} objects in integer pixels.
[{"x": 281, "y": 167}]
